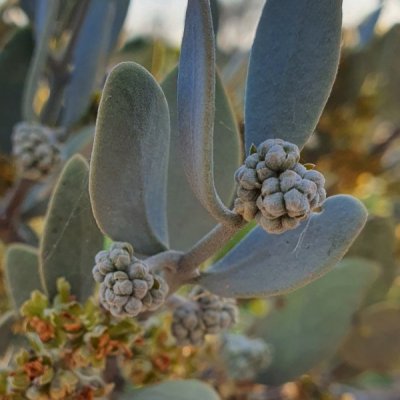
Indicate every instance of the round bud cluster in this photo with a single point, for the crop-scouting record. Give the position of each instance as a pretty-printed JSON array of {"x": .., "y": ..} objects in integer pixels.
[
  {"x": 275, "y": 189},
  {"x": 35, "y": 149},
  {"x": 243, "y": 357},
  {"x": 127, "y": 287},
  {"x": 204, "y": 314}
]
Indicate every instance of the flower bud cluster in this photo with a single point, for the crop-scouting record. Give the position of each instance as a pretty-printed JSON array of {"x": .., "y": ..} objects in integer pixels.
[
  {"x": 275, "y": 189},
  {"x": 204, "y": 314},
  {"x": 127, "y": 287},
  {"x": 35, "y": 150},
  {"x": 244, "y": 357}
]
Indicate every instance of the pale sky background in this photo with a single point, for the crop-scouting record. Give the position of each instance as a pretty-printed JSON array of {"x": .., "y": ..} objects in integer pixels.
[{"x": 165, "y": 18}]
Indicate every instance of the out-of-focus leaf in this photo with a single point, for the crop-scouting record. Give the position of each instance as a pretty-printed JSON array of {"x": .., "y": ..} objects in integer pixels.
[
  {"x": 189, "y": 221},
  {"x": 264, "y": 264},
  {"x": 173, "y": 390},
  {"x": 366, "y": 28},
  {"x": 48, "y": 14},
  {"x": 377, "y": 242},
  {"x": 71, "y": 238},
  {"x": 6, "y": 335},
  {"x": 78, "y": 141},
  {"x": 374, "y": 342},
  {"x": 196, "y": 106},
  {"x": 389, "y": 78},
  {"x": 292, "y": 67},
  {"x": 129, "y": 164},
  {"x": 89, "y": 58},
  {"x": 22, "y": 273},
  {"x": 121, "y": 10},
  {"x": 309, "y": 324},
  {"x": 215, "y": 15},
  {"x": 14, "y": 66}
]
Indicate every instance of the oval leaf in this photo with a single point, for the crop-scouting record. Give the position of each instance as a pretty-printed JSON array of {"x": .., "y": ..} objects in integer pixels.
[
  {"x": 309, "y": 324},
  {"x": 189, "y": 221},
  {"x": 173, "y": 390},
  {"x": 129, "y": 164},
  {"x": 263, "y": 264},
  {"x": 22, "y": 273},
  {"x": 374, "y": 343},
  {"x": 71, "y": 238},
  {"x": 196, "y": 106},
  {"x": 293, "y": 64}
]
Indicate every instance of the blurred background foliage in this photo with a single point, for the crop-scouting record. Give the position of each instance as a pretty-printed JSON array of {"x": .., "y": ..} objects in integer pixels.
[{"x": 356, "y": 146}]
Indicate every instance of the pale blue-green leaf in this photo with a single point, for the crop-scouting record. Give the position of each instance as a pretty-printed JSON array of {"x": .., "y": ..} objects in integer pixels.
[
  {"x": 293, "y": 64},
  {"x": 196, "y": 106},
  {"x": 6, "y": 335},
  {"x": 14, "y": 65},
  {"x": 189, "y": 221},
  {"x": 366, "y": 29},
  {"x": 128, "y": 173},
  {"x": 309, "y": 324},
  {"x": 71, "y": 238},
  {"x": 89, "y": 59},
  {"x": 264, "y": 264},
  {"x": 22, "y": 273},
  {"x": 173, "y": 390}
]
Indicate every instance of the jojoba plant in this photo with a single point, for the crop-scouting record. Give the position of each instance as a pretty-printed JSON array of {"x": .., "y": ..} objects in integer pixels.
[{"x": 170, "y": 183}]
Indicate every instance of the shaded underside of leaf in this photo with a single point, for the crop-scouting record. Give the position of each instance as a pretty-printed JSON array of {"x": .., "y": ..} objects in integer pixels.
[
  {"x": 188, "y": 220},
  {"x": 264, "y": 264},
  {"x": 22, "y": 273},
  {"x": 129, "y": 164},
  {"x": 309, "y": 324},
  {"x": 292, "y": 68},
  {"x": 71, "y": 238}
]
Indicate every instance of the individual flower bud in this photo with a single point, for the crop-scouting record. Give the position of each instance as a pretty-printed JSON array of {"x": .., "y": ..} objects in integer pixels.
[
  {"x": 243, "y": 357},
  {"x": 187, "y": 325},
  {"x": 127, "y": 286},
  {"x": 36, "y": 150},
  {"x": 275, "y": 189}
]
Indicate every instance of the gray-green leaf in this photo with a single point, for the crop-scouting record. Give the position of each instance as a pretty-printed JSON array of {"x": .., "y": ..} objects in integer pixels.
[
  {"x": 196, "y": 106},
  {"x": 189, "y": 221},
  {"x": 309, "y": 324},
  {"x": 71, "y": 238},
  {"x": 293, "y": 64},
  {"x": 22, "y": 273},
  {"x": 173, "y": 390},
  {"x": 128, "y": 172},
  {"x": 263, "y": 264}
]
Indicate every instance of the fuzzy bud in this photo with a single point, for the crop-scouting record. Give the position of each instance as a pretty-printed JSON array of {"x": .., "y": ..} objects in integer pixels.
[
  {"x": 244, "y": 357},
  {"x": 275, "y": 189},
  {"x": 35, "y": 149},
  {"x": 127, "y": 287},
  {"x": 204, "y": 314}
]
